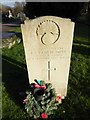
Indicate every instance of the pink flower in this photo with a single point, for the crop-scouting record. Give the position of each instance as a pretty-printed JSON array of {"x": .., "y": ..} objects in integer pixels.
[
  {"x": 25, "y": 101},
  {"x": 38, "y": 86},
  {"x": 43, "y": 87},
  {"x": 44, "y": 115},
  {"x": 59, "y": 99}
]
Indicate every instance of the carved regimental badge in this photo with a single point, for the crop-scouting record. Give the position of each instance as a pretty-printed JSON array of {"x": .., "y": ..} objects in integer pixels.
[{"x": 48, "y": 32}]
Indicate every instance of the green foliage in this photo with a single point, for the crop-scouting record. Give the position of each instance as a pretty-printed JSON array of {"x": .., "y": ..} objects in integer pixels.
[
  {"x": 46, "y": 105},
  {"x": 16, "y": 53}
]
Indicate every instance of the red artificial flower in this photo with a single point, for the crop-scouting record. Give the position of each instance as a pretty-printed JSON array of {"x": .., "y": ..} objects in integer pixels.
[
  {"x": 38, "y": 86},
  {"x": 25, "y": 101},
  {"x": 44, "y": 115},
  {"x": 59, "y": 99},
  {"x": 43, "y": 87}
]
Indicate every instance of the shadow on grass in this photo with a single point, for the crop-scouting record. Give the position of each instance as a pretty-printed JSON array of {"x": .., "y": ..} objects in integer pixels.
[
  {"x": 12, "y": 25},
  {"x": 82, "y": 42},
  {"x": 82, "y": 30},
  {"x": 81, "y": 49},
  {"x": 18, "y": 34},
  {"x": 15, "y": 78},
  {"x": 13, "y": 21}
]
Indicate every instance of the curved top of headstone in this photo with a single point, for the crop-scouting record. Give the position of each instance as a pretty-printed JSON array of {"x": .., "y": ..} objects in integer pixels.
[
  {"x": 47, "y": 17},
  {"x": 46, "y": 28}
]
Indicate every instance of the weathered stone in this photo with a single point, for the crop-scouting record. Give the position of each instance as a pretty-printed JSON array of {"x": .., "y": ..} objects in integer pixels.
[{"x": 48, "y": 44}]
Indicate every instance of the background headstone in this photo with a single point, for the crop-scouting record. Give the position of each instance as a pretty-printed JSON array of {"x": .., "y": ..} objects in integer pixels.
[
  {"x": 10, "y": 14},
  {"x": 48, "y": 44}
]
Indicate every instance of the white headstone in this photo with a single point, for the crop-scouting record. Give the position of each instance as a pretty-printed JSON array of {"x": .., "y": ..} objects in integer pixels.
[
  {"x": 48, "y": 44},
  {"x": 10, "y": 14}
]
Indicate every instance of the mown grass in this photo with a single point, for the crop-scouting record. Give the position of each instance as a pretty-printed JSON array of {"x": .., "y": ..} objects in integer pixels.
[
  {"x": 15, "y": 29},
  {"x": 76, "y": 105}
]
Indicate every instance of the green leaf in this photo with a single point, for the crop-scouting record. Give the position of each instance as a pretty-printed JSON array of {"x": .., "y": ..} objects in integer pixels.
[
  {"x": 42, "y": 83},
  {"x": 53, "y": 92},
  {"x": 47, "y": 101},
  {"x": 30, "y": 112},
  {"x": 42, "y": 103},
  {"x": 43, "y": 107},
  {"x": 28, "y": 92},
  {"x": 35, "y": 116},
  {"x": 49, "y": 86},
  {"x": 57, "y": 104},
  {"x": 48, "y": 94},
  {"x": 53, "y": 108},
  {"x": 26, "y": 107}
]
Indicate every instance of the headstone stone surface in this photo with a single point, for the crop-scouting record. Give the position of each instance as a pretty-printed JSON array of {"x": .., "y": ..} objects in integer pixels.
[{"x": 48, "y": 44}]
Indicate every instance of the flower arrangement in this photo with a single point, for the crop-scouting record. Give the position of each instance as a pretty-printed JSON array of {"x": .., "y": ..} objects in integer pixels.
[{"x": 41, "y": 100}]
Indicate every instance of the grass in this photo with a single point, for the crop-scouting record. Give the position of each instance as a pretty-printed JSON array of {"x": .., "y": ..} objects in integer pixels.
[
  {"x": 76, "y": 105},
  {"x": 82, "y": 33},
  {"x": 15, "y": 29}
]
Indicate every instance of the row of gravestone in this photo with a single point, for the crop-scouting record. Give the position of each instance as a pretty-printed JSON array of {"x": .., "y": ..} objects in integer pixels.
[
  {"x": 8, "y": 40},
  {"x": 48, "y": 43}
]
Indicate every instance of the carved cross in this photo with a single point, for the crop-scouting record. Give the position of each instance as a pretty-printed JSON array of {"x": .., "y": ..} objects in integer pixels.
[{"x": 49, "y": 69}]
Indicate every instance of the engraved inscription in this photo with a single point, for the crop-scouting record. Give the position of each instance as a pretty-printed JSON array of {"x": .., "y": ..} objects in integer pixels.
[{"x": 48, "y": 54}]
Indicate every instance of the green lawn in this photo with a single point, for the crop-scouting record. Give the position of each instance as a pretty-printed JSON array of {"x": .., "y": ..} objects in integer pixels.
[
  {"x": 76, "y": 105},
  {"x": 15, "y": 29}
]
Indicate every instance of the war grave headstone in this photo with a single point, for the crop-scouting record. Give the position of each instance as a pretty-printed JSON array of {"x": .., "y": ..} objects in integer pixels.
[{"x": 48, "y": 44}]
